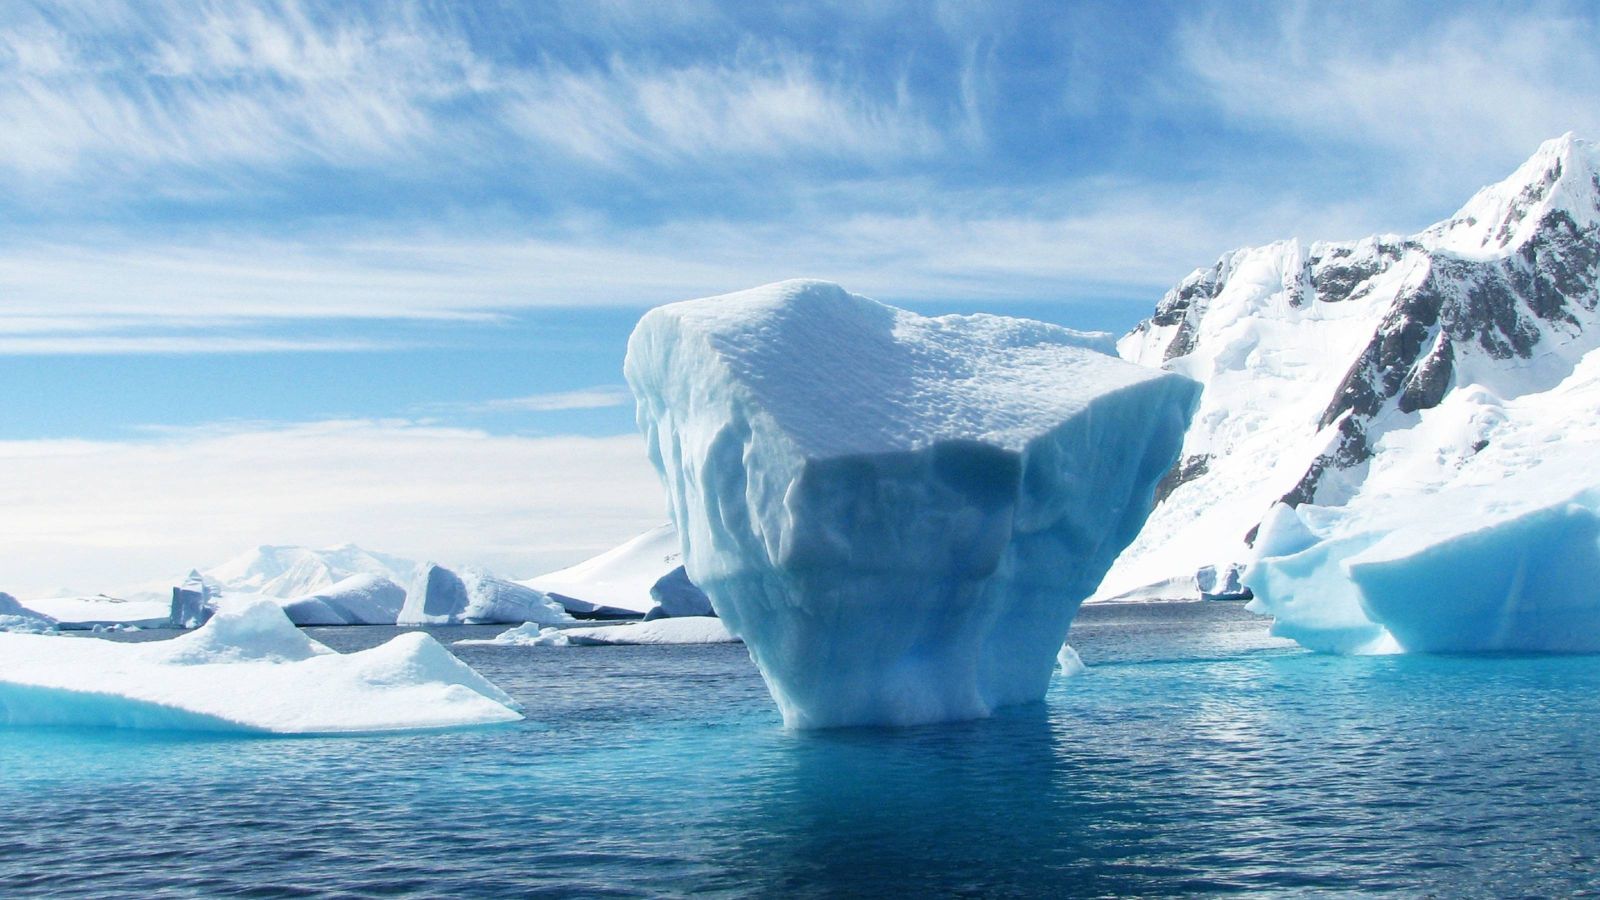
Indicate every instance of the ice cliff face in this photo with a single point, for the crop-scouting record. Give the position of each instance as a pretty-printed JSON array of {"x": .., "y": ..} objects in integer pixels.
[
  {"x": 1325, "y": 365},
  {"x": 899, "y": 515}
]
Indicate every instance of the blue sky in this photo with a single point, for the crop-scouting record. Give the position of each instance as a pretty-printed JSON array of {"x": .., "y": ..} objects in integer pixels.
[{"x": 240, "y": 225}]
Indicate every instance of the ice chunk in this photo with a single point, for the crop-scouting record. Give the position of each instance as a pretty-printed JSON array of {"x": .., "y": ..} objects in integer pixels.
[
  {"x": 14, "y": 617},
  {"x": 248, "y": 669},
  {"x": 438, "y": 596},
  {"x": 191, "y": 602},
  {"x": 1069, "y": 661},
  {"x": 358, "y": 600},
  {"x": 1480, "y": 569},
  {"x": 898, "y": 514},
  {"x": 622, "y": 580},
  {"x": 685, "y": 630},
  {"x": 675, "y": 595}
]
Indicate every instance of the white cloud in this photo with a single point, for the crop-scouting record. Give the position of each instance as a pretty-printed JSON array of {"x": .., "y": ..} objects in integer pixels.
[
  {"x": 1077, "y": 240},
  {"x": 764, "y": 104},
  {"x": 102, "y": 514},
  {"x": 168, "y": 344},
  {"x": 1448, "y": 96},
  {"x": 200, "y": 96},
  {"x": 602, "y": 397}
]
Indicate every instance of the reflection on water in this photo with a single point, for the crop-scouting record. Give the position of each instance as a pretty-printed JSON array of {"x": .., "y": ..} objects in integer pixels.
[{"x": 1195, "y": 755}]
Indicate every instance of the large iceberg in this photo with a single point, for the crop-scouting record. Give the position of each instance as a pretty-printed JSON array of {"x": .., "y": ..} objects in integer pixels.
[
  {"x": 439, "y": 596},
  {"x": 247, "y": 669},
  {"x": 898, "y": 514}
]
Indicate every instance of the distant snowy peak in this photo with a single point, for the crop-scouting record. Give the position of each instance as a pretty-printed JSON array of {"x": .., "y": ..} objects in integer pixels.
[
  {"x": 291, "y": 571},
  {"x": 1561, "y": 180},
  {"x": 1313, "y": 356}
]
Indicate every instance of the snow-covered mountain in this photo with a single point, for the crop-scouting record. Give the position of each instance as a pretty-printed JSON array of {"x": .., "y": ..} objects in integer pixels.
[
  {"x": 1331, "y": 369},
  {"x": 288, "y": 571}
]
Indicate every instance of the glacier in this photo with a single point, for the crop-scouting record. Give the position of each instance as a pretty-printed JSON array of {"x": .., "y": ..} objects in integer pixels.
[
  {"x": 1337, "y": 373},
  {"x": 439, "y": 596},
  {"x": 249, "y": 670},
  {"x": 899, "y": 515}
]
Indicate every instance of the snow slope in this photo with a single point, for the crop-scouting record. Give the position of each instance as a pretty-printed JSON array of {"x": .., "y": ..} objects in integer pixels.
[
  {"x": 899, "y": 515},
  {"x": 1334, "y": 369},
  {"x": 620, "y": 581},
  {"x": 248, "y": 669}
]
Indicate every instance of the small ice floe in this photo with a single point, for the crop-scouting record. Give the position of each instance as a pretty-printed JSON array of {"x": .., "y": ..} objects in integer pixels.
[
  {"x": 684, "y": 630},
  {"x": 247, "y": 669},
  {"x": 1069, "y": 661}
]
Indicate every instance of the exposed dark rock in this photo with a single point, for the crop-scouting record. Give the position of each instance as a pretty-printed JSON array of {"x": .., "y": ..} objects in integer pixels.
[
  {"x": 1428, "y": 382},
  {"x": 1182, "y": 472}
]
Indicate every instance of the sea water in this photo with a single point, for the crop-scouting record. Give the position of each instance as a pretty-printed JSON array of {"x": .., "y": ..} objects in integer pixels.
[{"x": 1196, "y": 754}]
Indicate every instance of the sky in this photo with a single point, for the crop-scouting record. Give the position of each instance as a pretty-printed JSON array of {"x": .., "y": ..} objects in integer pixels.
[{"x": 315, "y": 273}]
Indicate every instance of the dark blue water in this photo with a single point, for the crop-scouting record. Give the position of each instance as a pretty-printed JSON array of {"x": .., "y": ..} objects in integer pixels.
[{"x": 1197, "y": 755}]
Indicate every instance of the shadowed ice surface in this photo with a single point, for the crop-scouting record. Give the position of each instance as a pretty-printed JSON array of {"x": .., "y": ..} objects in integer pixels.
[{"x": 1196, "y": 754}]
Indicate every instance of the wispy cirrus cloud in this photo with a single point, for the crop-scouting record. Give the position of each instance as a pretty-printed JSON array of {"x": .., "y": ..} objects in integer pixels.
[
  {"x": 168, "y": 344},
  {"x": 230, "y": 92},
  {"x": 1465, "y": 93},
  {"x": 599, "y": 397}
]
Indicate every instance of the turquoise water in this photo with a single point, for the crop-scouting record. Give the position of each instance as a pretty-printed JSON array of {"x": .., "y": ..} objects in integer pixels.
[{"x": 1197, "y": 755}]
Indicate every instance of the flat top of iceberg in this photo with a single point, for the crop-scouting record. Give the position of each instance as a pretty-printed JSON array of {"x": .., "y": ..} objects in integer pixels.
[
  {"x": 248, "y": 669},
  {"x": 842, "y": 374}
]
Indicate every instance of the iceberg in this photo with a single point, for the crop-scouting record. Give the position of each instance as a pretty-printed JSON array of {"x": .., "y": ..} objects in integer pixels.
[
  {"x": 899, "y": 515},
  {"x": 1486, "y": 539},
  {"x": 247, "y": 669},
  {"x": 685, "y": 630},
  {"x": 632, "y": 579},
  {"x": 1463, "y": 572},
  {"x": 14, "y": 617},
  {"x": 438, "y": 596},
  {"x": 358, "y": 600},
  {"x": 675, "y": 595},
  {"x": 191, "y": 603}
]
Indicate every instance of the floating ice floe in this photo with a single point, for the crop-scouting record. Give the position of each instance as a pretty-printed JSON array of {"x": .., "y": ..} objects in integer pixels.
[
  {"x": 684, "y": 630},
  {"x": 1070, "y": 663},
  {"x": 248, "y": 669},
  {"x": 898, "y": 514},
  {"x": 438, "y": 596}
]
